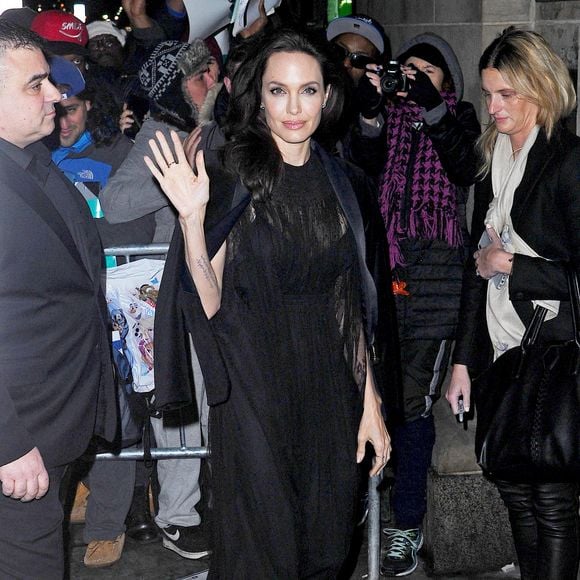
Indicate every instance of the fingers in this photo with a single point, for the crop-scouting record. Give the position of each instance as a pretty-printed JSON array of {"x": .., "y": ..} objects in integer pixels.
[
  {"x": 8, "y": 485},
  {"x": 167, "y": 153},
  {"x": 382, "y": 453},
  {"x": 178, "y": 147},
  {"x": 43, "y": 483},
  {"x": 200, "y": 164},
  {"x": 360, "y": 450},
  {"x": 28, "y": 488},
  {"x": 153, "y": 168},
  {"x": 459, "y": 386},
  {"x": 159, "y": 158},
  {"x": 492, "y": 234},
  {"x": 194, "y": 136}
]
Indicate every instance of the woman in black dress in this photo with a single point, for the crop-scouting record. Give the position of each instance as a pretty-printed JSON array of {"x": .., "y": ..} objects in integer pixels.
[{"x": 282, "y": 313}]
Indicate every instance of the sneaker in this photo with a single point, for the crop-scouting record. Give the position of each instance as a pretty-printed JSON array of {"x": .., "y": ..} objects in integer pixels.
[
  {"x": 102, "y": 553},
  {"x": 401, "y": 553},
  {"x": 189, "y": 542}
]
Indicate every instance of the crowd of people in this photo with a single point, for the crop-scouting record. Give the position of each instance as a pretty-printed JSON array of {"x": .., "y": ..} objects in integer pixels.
[{"x": 321, "y": 278}]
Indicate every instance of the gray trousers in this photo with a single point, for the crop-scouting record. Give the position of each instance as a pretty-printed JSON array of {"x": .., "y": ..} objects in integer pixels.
[
  {"x": 111, "y": 483},
  {"x": 179, "y": 490}
]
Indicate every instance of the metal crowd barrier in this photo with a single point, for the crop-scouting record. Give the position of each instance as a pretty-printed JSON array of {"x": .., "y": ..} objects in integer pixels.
[{"x": 185, "y": 452}]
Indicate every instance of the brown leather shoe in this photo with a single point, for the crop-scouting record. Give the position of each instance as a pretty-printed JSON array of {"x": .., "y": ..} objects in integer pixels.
[
  {"x": 77, "y": 514},
  {"x": 102, "y": 553}
]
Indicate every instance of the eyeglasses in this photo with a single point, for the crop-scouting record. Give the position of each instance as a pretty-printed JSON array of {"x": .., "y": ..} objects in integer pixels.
[{"x": 357, "y": 59}]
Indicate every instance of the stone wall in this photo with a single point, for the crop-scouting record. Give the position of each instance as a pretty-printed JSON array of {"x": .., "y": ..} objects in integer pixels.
[{"x": 470, "y": 25}]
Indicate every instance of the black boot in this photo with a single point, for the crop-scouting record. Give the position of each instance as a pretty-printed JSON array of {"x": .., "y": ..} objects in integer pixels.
[{"x": 140, "y": 524}]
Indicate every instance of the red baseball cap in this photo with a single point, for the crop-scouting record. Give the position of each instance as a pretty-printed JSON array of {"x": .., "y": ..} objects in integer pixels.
[{"x": 65, "y": 33}]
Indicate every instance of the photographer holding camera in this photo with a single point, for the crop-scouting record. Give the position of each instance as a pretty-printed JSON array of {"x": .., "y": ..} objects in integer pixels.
[
  {"x": 358, "y": 44},
  {"x": 431, "y": 162}
]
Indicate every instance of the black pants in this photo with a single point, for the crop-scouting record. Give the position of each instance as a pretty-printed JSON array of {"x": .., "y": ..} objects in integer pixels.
[
  {"x": 545, "y": 527},
  {"x": 31, "y": 542}
]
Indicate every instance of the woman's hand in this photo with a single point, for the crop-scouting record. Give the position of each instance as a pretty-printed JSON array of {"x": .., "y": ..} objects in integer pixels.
[
  {"x": 190, "y": 146},
  {"x": 372, "y": 428},
  {"x": 421, "y": 90},
  {"x": 259, "y": 24},
  {"x": 493, "y": 259},
  {"x": 459, "y": 386},
  {"x": 188, "y": 192}
]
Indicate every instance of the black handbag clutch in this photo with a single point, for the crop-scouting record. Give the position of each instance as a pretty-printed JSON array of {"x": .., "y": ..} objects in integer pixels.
[{"x": 528, "y": 405}]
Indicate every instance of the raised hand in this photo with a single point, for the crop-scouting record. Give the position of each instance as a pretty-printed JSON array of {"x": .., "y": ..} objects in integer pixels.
[
  {"x": 258, "y": 25},
  {"x": 188, "y": 192},
  {"x": 421, "y": 90},
  {"x": 136, "y": 11}
]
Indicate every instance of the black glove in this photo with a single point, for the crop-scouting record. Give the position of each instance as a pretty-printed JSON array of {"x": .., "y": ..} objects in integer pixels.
[
  {"x": 369, "y": 102},
  {"x": 422, "y": 92}
]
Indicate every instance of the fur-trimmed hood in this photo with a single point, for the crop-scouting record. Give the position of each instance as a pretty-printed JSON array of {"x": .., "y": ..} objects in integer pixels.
[{"x": 205, "y": 113}]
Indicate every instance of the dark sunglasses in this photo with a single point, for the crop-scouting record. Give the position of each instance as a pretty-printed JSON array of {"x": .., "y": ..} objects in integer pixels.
[{"x": 357, "y": 60}]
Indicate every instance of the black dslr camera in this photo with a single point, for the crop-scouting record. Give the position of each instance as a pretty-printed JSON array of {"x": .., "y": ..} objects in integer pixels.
[{"x": 393, "y": 80}]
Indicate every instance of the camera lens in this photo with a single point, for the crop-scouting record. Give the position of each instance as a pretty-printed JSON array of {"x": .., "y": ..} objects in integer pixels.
[
  {"x": 393, "y": 80},
  {"x": 389, "y": 84}
]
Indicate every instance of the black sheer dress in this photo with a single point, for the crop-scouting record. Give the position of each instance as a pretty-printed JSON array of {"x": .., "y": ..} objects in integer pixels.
[{"x": 284, "y": 474}]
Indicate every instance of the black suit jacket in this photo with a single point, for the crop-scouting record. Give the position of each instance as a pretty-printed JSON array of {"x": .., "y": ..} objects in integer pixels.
[
  {"x": 56, "y": 384},
  {"x": 546, "y": 214}
]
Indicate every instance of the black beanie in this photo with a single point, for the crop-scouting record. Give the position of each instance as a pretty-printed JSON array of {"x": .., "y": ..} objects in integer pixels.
[{"x": 426, "y": 52}]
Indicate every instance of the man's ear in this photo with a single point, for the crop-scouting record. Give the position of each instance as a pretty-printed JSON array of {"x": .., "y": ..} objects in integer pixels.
[
  {"x": 228, "y": 84},
  {"x": 88, "y": 105}
]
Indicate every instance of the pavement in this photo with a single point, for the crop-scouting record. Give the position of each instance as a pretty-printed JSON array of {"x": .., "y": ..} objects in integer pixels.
[{"x": 154, "y": 562}]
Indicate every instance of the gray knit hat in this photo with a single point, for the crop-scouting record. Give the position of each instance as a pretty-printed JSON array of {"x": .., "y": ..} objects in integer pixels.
[{"x": 168, "y": 61}]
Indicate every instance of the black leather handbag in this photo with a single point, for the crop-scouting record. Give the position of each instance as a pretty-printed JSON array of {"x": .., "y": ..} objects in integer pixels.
[{"x": 528, "y": 405}]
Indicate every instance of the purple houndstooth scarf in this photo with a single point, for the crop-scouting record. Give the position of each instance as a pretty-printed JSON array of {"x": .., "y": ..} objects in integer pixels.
[{"x": 431, "y": 199}]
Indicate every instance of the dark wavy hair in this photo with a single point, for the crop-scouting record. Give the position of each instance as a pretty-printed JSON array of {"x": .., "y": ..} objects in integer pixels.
[
  {"x": 103, "y": 117},
  {"x": 251, "y": 152}
]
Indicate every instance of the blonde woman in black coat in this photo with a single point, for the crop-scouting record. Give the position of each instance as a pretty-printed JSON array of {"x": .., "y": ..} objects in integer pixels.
[{"x": 527, "y": 223}]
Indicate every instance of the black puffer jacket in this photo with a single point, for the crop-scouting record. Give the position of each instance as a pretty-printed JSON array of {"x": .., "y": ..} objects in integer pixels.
[{"x": 433, "y": 270}]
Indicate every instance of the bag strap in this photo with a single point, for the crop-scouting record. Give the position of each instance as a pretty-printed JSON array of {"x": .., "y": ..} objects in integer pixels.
[
  {"x": 533, "y": 329},
  {"x": 574, "y": 290}
]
